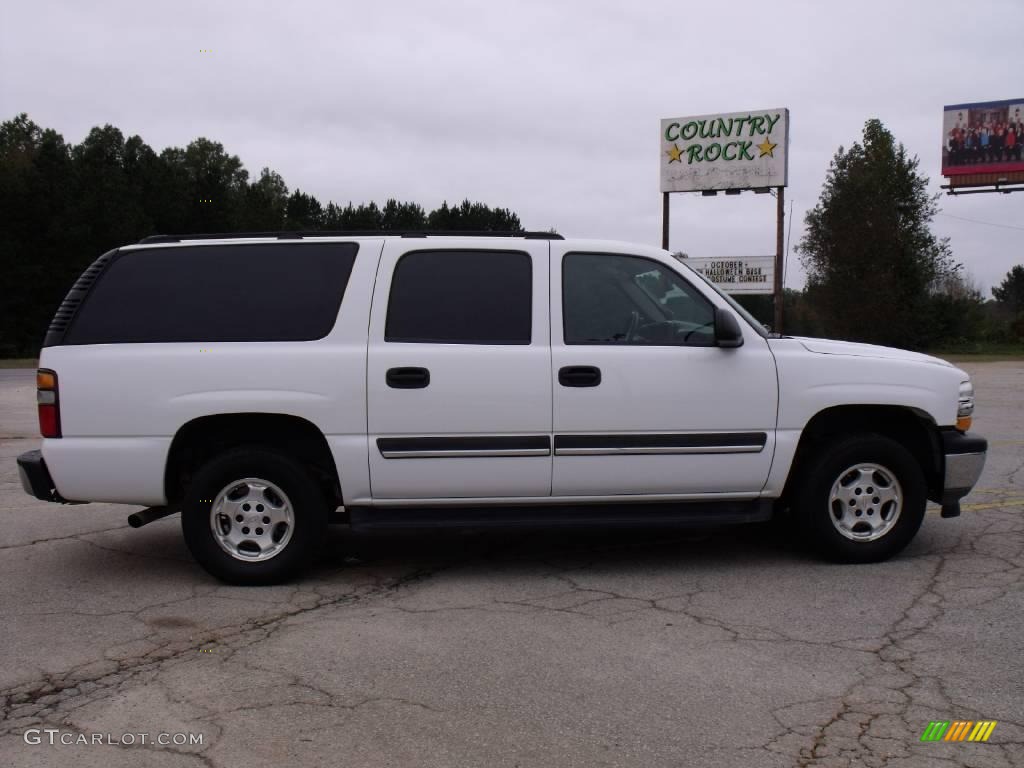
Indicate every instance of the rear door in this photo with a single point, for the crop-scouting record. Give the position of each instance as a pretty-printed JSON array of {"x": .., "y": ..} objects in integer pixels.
[
  {"x": 644, "y": 402},
  {"x": 459, "y": 370}
]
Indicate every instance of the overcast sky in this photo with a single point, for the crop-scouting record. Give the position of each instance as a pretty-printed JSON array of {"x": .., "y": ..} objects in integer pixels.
[{"x": 549, "y": 108}]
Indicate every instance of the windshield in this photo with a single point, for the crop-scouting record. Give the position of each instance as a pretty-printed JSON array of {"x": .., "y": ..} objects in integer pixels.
[{"x": 754, "y": 323}]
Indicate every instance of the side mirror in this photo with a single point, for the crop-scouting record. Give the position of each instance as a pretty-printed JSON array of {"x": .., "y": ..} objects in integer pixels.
[{"x": 728, "y": 333}]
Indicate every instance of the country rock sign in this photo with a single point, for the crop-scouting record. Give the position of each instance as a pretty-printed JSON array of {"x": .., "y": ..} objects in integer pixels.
[{"x": 731, "y": 151}]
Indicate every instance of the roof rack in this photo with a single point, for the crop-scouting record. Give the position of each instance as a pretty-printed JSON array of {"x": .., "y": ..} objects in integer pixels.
[{"x": 300, "y": 234}]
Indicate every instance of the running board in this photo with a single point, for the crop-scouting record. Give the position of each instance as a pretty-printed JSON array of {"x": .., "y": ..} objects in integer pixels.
[{"x": 635, "y": 515}]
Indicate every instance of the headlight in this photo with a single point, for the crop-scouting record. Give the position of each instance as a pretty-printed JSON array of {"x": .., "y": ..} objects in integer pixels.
[{"x": 965, "y": 406}]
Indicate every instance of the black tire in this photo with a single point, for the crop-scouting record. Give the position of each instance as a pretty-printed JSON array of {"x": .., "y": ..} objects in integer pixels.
[
  {"x": 307, "y": 503},
  {"x": 814, "y": 513}
]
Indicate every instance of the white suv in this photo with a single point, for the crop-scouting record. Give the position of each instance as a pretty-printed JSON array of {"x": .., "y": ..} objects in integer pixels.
[{"x": 267, "y": 385}]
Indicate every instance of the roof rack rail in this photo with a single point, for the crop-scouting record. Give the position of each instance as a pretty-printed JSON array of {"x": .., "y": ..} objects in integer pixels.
[{"x": 300, "y": 234}]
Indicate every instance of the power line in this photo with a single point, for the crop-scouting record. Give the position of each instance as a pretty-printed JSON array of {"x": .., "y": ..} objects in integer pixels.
[{"x": 978, "y": 221}]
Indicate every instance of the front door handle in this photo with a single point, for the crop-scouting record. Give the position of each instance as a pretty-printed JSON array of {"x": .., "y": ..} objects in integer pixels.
[
  {"x": 407, "y": 378},
  {"x": 579, "y": 376}
]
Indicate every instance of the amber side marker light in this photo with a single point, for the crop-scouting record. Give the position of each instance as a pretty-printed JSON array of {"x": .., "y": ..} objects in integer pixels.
[
  {"x": 48, "y": 402},
  {"x": 965, "y": 406}
]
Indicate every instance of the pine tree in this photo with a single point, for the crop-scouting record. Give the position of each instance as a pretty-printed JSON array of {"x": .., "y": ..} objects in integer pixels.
[{"x": 872, "y": 262}]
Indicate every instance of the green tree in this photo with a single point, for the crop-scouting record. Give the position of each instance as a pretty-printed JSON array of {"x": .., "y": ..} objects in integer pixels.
[
  {"x": 266, "y": 203},
  {"x": 1011, "y": 291},
  {"x": 362, "y": 217},
  {"x": 35, "y": 196},
  {"x": 956, "y": 314},
  {"x": 396, "y": 216},
  {"x": 304, "y": 212},
  {"x": 871, "y": 260},
  {"x": 1009, "y": 309},
  {"x": 473, "y": 217},
  {"x": 109, "y": 207},
  {"x": 218, "y": 184}
]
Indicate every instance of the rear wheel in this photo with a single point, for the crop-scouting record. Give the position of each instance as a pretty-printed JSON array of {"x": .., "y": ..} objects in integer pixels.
[
  {"x": 862, "y": 500},
  {"x": 253, "y": 516}
]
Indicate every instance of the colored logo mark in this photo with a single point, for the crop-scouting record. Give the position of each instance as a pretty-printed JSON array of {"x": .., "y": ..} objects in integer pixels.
[{"x": 959, "y": 730}]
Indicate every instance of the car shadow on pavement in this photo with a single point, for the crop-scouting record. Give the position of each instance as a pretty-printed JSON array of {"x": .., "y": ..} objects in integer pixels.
[
  {"x": 618, "y": 548},
  {"x": 158, "y": 553}
]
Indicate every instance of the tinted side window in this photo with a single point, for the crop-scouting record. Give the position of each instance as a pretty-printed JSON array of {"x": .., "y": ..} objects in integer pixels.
[
  {"x": 612, "y": 299},
  {"x": 253, "y": 292},
  {"x": 461, "y": 297}
]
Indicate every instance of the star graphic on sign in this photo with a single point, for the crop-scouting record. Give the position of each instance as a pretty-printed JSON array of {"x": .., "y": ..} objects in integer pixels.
[
  {"x": 767, "y": 148},
  {"x": 674, "y": 154}
]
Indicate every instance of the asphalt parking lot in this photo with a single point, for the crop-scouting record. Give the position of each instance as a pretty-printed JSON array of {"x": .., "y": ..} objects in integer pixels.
[{"x": 689, "y": 648}]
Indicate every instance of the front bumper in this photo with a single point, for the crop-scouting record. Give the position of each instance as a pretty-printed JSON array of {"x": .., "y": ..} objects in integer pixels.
[
  {"x": 964, "y": 460},
  {"x": 35, "y": 477}
]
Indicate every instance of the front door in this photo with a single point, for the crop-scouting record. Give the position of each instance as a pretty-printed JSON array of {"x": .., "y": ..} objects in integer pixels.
[
  {"x": 459, "y": 372},
  {"x": 644, "y": 403}
]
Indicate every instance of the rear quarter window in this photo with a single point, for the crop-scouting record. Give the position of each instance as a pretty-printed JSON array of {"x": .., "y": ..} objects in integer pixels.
[
  {"x": 461, "y": 297},
  {"x": 237, "y": 292}
]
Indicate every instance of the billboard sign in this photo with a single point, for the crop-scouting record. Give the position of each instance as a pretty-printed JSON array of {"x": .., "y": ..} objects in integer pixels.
[
  {"x": 742, "y": 274},
  {"x": 983, "y": 137},
  {"x": 738, "y": 150}
]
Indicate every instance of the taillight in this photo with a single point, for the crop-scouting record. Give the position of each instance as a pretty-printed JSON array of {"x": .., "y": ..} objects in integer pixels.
[{"x": 49, "y": 402}]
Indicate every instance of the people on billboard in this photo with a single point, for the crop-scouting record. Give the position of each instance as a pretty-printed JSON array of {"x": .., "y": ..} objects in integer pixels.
[{"x": 986, "y": 135}]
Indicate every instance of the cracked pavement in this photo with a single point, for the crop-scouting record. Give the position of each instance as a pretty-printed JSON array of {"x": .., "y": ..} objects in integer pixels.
[{"x": 724, "y": 647}]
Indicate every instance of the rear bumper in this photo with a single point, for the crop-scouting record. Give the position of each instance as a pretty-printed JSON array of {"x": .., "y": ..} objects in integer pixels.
[
  {"x": 35, "y": 477},
  {"x": 964, "y": 460}
]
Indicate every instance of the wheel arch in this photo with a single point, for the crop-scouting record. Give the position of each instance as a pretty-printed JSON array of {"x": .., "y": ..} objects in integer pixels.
[
  {"x": 202, "y": 438},
  {"x": 913, "y": 428}
]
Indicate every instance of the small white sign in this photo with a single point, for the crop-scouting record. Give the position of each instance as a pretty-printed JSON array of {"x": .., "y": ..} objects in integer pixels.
[
  {"x": 739, "y": 150},
  {"x": 743, "y": 274}
]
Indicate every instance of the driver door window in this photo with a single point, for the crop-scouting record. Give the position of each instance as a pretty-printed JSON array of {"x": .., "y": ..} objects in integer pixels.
[{"x": 612, "y": 299}]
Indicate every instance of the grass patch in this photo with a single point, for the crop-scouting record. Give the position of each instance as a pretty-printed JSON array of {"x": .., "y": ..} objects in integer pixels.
[
  {"x": 19, "y": 362},
  {"x": 960, "y": 357},
  {"x": 980, "y": 352}
]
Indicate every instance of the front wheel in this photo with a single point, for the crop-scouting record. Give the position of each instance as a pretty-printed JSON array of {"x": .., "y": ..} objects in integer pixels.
[
  {"x": 862, "y": 500},
  {"x": 253, "y": 516}
]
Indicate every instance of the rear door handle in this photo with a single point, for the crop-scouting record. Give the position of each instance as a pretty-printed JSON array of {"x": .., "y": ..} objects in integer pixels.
[
  {"x": 407, "y": 378},
  {"x": 579, "y": 376}
]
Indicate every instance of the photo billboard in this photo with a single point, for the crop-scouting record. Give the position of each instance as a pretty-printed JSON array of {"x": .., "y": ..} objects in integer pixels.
[
  {"x": 736, "y": 150},
  {"x": 983, "y": 137}
]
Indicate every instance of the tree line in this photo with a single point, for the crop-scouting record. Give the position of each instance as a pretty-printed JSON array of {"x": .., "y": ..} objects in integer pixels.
[
  {"x": 62, "y": 205},
  {"x": 875, "y": 271}
]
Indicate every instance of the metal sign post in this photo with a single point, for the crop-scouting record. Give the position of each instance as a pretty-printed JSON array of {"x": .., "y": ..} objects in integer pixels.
[
  {"x": 780, "y": 215},
  {"x": 664, "y": 220}
]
